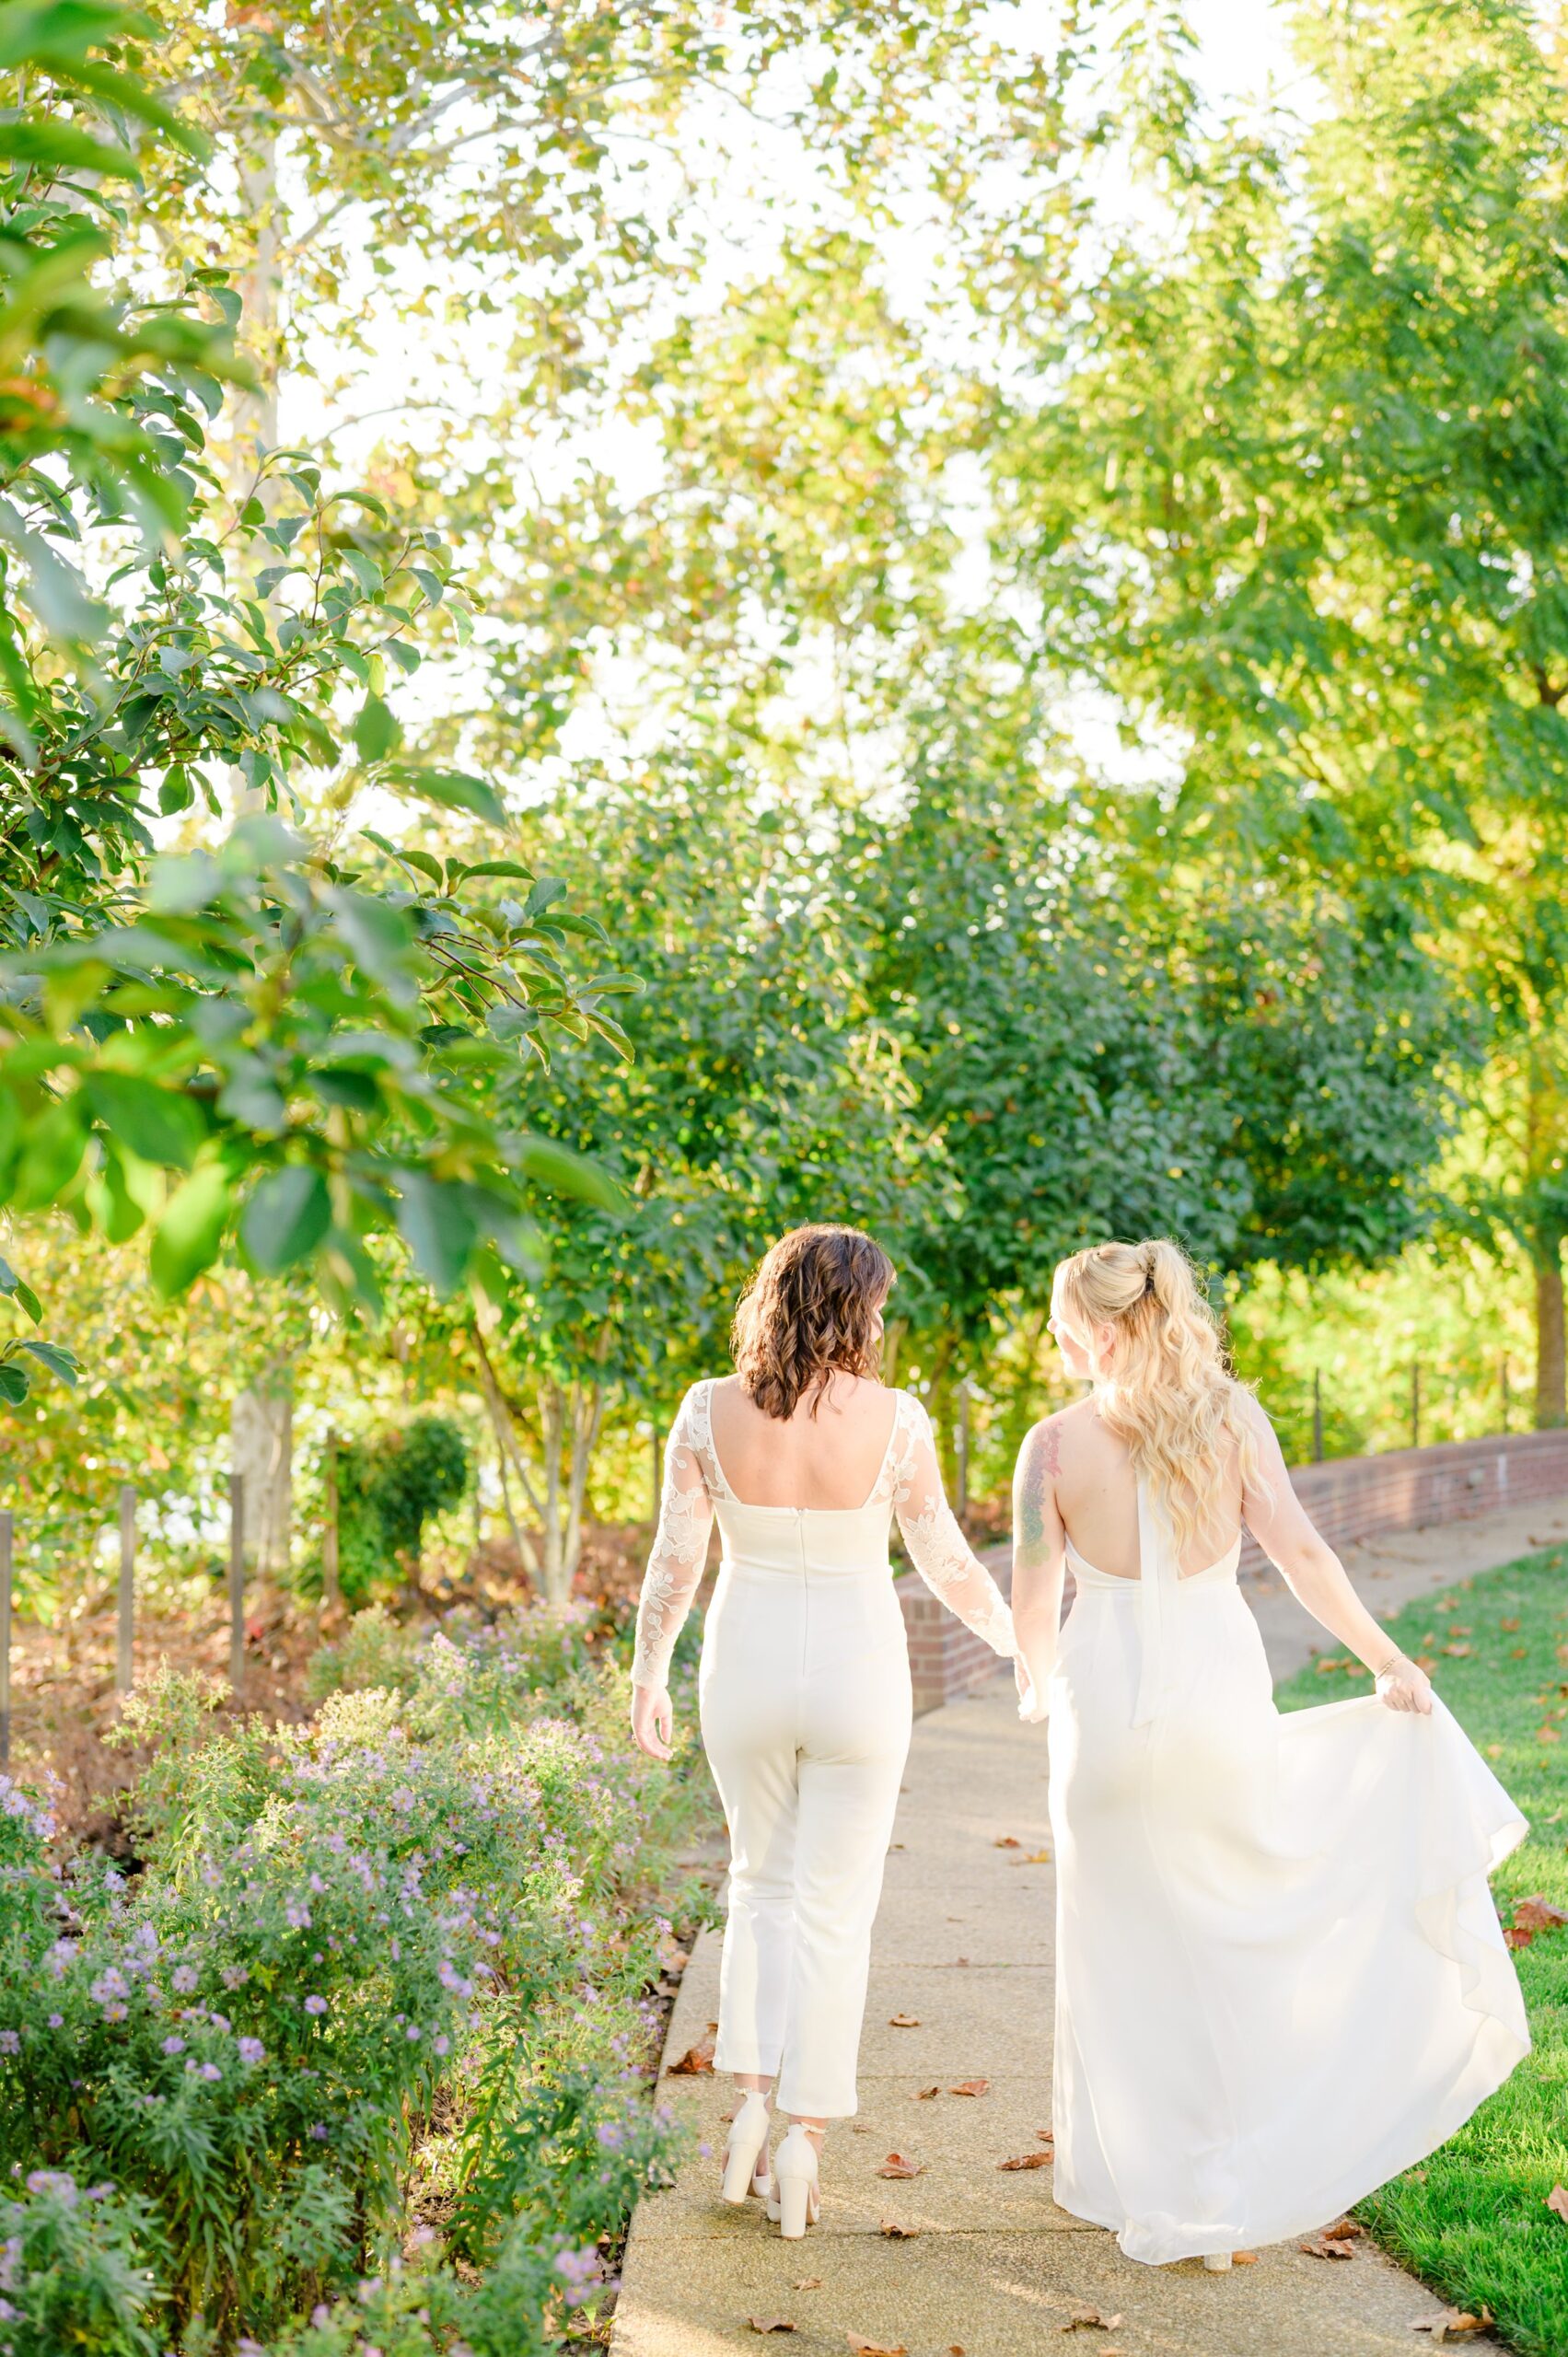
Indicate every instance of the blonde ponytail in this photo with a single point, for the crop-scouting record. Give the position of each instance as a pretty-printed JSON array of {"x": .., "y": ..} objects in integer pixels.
[{"x": 1166, "y": 1391}]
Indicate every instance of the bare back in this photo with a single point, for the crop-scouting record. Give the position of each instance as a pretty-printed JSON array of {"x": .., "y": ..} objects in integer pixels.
[
  {"x": 829, "y": 1462},
  {"x": 1096, "y": 1495}
]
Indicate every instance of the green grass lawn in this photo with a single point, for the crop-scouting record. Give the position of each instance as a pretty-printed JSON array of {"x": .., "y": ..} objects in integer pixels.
[{"x": 1472, "y": 2220}]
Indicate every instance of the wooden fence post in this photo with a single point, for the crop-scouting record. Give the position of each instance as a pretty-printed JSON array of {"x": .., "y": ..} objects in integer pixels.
[
  {"x": 236, "y": 1581},
  {"x": 1317, "y": 1417},
  {"x": 124, "y": 1665},
  {"x": 1415, "y": 1403},
  {"x": 331, "y": 1588},
  {"x": 7, "y": 1528},
  {"x": 1503, "y": 1385}
]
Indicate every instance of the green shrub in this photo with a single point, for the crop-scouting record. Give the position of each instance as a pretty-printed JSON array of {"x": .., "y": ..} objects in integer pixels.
[{"x": 389, "y": 1487}]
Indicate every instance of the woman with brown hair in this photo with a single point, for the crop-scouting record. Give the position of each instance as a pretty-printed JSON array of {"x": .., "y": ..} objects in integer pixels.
[{"x": 804, "y": 1458}]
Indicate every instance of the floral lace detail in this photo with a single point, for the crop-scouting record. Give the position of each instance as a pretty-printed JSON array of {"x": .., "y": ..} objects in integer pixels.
[
  {"x": 680, "y": 1545},
  {"x": 912, "y": 1479}
]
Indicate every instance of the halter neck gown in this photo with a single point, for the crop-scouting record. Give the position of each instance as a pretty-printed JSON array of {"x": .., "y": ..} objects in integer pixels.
[{"x": 1280, "y": 1978}]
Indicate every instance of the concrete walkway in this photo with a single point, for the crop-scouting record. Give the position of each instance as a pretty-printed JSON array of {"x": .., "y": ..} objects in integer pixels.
[{"x": 970, "y": 2255}]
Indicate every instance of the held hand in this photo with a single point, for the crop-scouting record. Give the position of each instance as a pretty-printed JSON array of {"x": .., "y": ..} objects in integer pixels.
[
  {"x": 653, "y": 1722},
  {"x": 1401, "y": 1686},
  {"x": 1021, "y": 1679}
]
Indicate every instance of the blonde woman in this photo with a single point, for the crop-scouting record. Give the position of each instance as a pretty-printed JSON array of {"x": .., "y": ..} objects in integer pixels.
[
  {"x": 1280, "y": 1975},
  {"x": 804, "y": 1458}
]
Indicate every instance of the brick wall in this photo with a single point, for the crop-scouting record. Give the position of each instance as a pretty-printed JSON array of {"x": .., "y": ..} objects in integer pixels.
[{"x": 1354, "y": 1497}]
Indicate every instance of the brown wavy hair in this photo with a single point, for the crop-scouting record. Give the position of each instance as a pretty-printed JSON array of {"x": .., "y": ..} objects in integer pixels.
[{"x": 807, "y": 1313}]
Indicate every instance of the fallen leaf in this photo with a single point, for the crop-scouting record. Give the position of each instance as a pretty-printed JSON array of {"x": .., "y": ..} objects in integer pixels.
[
  {"x": 924, "y": 2094},
  {"x": 1244, "y": 2258},
  {"x": 1494, "y": 1750},
  {"x": 1531, "y": 1916},
  {"x": 1034, "y": 1858},
  {"x": 1090, "y": 2320},
  {"x": 1027, "y": 2161},
  {"x": 897, "y": 2233},
  {"x": 1456, "y": 1649},
  {"x": 1456, "y": 1631},
  {"x": 903, "y": 2021},
  {"x": 970, "y": 2088},
  {"x": 955, "y": 2349},
  {"x": 807, "y": 2283},
  {"x": 1558, "y": 2200},
  {"x": 1426, "y": 1662},
  {"x": 1344, "y": 2230},
  {"x": 864, "y": 2348},
  {"x": 1454, "y": 2324},
  {"x": 897, "y": 2166},
  {"x": 1006, "y": 1842},
  {"x": 694, "y": 2062},
  {"x": 1321, "y": 2247},
  {"x": 1046, "y": 2135},
  {"x": 1517, "y": 1652},
  {"x": 1509, "y": 1625},
  {"x": 770, "y": 2324},
  {"x": 1548, "y": 1734}
]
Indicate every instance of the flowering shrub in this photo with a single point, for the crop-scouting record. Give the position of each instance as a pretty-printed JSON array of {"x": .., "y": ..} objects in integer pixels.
[{"x": 378, "y": 2002}]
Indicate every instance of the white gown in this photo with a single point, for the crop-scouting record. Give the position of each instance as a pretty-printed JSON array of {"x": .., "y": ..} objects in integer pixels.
[{"x": 1280, "y": 1978}]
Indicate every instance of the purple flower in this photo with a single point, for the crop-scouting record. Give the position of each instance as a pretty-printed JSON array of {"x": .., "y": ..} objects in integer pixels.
[
  {"x": 321, "y": 2315},
  {"x": 210, "y": 2070},
  {"x": 174, "y": 2046},
  {"x": 442, "y": 2044},
  {"x": 56, "y": 2021},
  {"x": 412, "y": 2033},
  {"x": 315, "y": 2005},
  {"x": 318, "y": 2132},
  {"x": 10, "y": 2042},
  {"x": 297, "y": 1914},
  {"x": 109, "y": 1984},
  {"x": 184, "y": 1977},
  {"x": 251, "y": 2050}
]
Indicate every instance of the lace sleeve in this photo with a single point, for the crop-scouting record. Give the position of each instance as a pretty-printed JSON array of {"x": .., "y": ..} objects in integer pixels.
[
  {"x": 680, "y": 1550},
  {"x": 937, "y": 1548}
]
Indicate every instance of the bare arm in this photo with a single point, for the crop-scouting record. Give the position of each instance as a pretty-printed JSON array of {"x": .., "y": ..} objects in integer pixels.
[
  {"x": 1039, "y": 1560},
  {"x": 671, "y": 1581},
  {"x": 1317, "y": 1578},
  {"x": 937, "y": 1548}
]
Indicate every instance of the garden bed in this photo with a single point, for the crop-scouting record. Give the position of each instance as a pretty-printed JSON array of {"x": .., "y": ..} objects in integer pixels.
[
  {"x": 358, "y": 2059},
  {"x": 1474, "y": 2220}
]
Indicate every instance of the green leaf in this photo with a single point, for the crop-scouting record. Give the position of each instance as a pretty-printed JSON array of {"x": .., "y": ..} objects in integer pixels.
[
  {"x": 191, "y": 1230},
  {"x": 55, "y": 1357},
  {"x": 14, "y": 1384},
  {"x": 287, "y": 1215},
  {"x": 161, "y": 1125},
  {"x": 377, "y": 731},
  {"x": 562, "y": 1172},
  {"x": 17, "y": 1289},
  {"x": 497, "y": 867},
  {"x": 65, "y": 148},
  {"x": 454, "y": 789},
  {"x": 437, "y": 1226},
  {"x": 50, "y": 1159}
]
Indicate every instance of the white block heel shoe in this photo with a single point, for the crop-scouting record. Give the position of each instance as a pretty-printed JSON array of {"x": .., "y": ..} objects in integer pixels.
[
  {"x": 795, "y": 2202},
  {"x": 1217, "y": 2262},
  {"x": 745, "y": 2156}
]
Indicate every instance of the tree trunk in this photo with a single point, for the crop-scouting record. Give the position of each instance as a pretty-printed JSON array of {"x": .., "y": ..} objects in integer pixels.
[
  {"x": 261, "y": 292},
  {"x": 1552, "y": 1406},
  {"x": 261, "y": 1428}
]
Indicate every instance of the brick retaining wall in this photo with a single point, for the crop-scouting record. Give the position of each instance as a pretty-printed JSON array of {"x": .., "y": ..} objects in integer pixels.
[{"x": 1351, "y": 1498}]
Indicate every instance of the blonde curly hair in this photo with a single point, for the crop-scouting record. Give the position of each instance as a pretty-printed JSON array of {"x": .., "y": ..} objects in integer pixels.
[{"x": 1167, "y": 1391}]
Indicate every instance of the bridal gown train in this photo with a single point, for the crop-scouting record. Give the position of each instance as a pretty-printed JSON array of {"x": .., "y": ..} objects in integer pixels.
[{"x": 1280, "y": 1978}]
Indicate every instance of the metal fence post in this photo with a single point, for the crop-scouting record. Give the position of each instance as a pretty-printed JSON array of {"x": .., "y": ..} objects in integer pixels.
[
  {"x": 7, "y": 1528},
  {"x": 331, "y": 1590},
  {"x": 236, "y": 1581},
  {"x": 124, "y": 1666},
  {"x": 961, "y": 1450}
]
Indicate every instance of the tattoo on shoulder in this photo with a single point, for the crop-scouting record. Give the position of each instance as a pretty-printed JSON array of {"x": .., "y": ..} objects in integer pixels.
[{"x": 1050, "y": 1448}]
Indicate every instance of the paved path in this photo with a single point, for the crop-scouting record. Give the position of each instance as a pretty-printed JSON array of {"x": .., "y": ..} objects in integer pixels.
[{"x": 986, "y": 2264}]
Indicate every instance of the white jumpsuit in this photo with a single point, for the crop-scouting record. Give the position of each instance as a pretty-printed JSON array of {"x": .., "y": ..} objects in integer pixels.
[{"x": 804, "y": 1689}]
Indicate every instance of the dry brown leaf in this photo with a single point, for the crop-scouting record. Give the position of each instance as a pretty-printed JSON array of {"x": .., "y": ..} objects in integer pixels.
[
  {"x": 1426, "y": 1662},
  {"x": 696, "y": 2059},
  {"x": 1090, "y": 2320},
  {"x": 1455, "y": 1630},
  {"x": 1558, "y": 2200},
  {"x": 1034, "y": 1858},
  {"x": 1344, "y": 2230},
  {"x": 1509, "y": 1625},
  {"x": 864, "y": 2348},
  {"x": 807, "y": 2283},
  {"x": 1321, "y": 2247},
  {"x": 770, "y": 2324},
  {"x": 1537, "y": 1913},
  {"x": 1548, "y": 1734},
  {"x": 924, "y": 2094},
  {"x": 1027, "y": 2161},
  {"x": 970, "y": 2088},
  {"x": 1244, "y": 2258},
  {"x": 897, "y": 2233},
  {"x": 1454, "y": 2324},
  {"x": 1006, "y": 1842},
  {"x": 955, "y": 2349},
  {"x": 903, "y": 2021},
  {"x": 1046, "y": 2135},
  {"x": 1456, "y": 1649},
  {"x": 897, "y": 2166}
]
